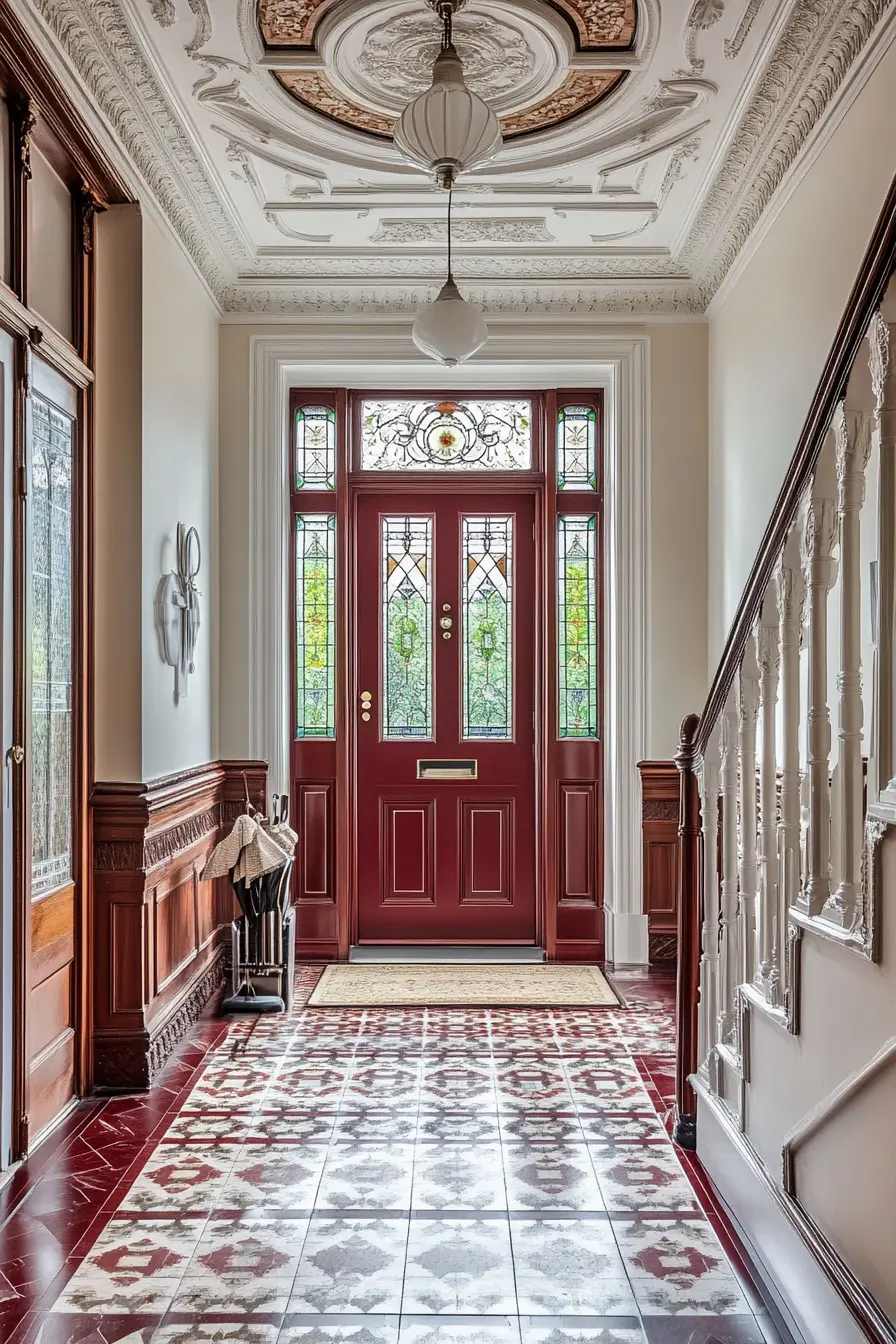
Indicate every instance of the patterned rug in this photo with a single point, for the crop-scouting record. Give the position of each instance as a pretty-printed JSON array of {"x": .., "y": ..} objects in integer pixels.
[{"x": 464, "y": 986}]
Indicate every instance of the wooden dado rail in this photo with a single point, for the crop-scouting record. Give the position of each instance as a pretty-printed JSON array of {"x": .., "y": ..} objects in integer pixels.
[
  {"x": 780, "y": 818},
  {"x": 157, "y": 956}
]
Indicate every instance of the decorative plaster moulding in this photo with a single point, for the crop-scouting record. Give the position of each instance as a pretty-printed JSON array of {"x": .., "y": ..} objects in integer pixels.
[{"x": 182, "y": 86}]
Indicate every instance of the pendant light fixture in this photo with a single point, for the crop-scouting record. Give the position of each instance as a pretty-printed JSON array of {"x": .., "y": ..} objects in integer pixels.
[
  {"x": 450, "y": 329},
  {"x": 449, "y": 129}
]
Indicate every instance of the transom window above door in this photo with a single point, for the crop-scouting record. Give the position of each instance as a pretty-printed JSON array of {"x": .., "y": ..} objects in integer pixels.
[{"x": 446, "y": 435}]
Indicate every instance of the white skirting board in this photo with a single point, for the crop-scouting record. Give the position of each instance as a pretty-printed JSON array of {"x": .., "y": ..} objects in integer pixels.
[{"x": 810, "y": 1307}]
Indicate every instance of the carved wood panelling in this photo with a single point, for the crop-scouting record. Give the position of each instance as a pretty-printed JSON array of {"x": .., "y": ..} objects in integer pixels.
[{"x": 157, "y": 956}]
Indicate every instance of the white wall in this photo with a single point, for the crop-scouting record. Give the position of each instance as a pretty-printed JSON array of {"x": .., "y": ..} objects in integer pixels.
[
  {"x": 180, "y": 484},
  {"x": 770, "y": 335},
  {"x": 678, "y": 529}
]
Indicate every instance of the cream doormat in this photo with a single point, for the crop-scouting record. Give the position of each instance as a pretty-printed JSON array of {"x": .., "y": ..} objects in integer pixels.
[{"x": 429, "y": 986}]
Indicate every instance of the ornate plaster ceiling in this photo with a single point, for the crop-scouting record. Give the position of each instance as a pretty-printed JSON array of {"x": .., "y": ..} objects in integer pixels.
[{"x": 642, "y": 147}]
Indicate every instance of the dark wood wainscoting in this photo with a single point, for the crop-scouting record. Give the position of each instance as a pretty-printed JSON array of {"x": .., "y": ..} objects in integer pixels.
[
  {"x": 659, "y": 830},
  {"x": 157, "y": 951}
]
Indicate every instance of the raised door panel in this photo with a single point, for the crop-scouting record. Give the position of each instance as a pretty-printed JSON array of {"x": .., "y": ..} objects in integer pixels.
[
  {"x": 408, "y": 839},
  {"x": 487, "y": 842}
]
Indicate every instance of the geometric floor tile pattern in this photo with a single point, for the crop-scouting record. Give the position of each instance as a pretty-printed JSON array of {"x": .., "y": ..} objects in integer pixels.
[{"x": 387, "y": 1176}]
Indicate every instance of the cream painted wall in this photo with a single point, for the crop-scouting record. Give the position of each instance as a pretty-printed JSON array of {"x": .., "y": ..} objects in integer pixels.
[
  {"x": 679, "y": 372},
  {"x": 678, "y": 363},
  {"x": 180, "y": 484},
  {"x": 769, "y": 338},
  {"x": 118, "y": 557}
]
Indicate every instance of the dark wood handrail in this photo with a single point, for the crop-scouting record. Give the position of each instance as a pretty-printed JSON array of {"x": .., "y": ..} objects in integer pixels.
[{"x": 877, "y": 267}]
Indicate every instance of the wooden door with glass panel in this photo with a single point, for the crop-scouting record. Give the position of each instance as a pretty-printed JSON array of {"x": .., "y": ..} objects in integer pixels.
[{"x": 445, "y": 718}]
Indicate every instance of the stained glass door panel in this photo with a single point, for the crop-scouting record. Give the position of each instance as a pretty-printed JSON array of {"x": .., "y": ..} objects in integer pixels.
[{"x": 444, "y": 727}]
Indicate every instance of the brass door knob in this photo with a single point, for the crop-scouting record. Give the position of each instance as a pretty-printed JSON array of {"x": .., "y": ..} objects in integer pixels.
[{"x": 445, "y": 622}]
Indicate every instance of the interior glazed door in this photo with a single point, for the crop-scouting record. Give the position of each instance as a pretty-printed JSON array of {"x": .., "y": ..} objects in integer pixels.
[{"x": 445, "y": 628}]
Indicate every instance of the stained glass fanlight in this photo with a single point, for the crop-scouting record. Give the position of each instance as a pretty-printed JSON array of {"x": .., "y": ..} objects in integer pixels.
[
  {"x": 407, "y": 627},
  {"x": 315, "y": 625},
  {"x": 577, "y": 625},
  {"x": 577, "y": 448},
  {"x": 315, "y": 448},
  {"x": 487, "y": 618},
  {"x": 446, "y": 436}
]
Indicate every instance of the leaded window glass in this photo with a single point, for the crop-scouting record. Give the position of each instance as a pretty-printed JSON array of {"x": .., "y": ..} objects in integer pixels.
[
  {"x": 446, "y": 436},
  {"x": 315, "y": 448},
  {"x": 51, "y": 647},
  {"x": 407, "y": 627},
  {"x": 487, "y": 619},
  {"x": 315, "y": 625},
  {"x": 577, "y": 625},
  {"x": 577, "y": 448}
]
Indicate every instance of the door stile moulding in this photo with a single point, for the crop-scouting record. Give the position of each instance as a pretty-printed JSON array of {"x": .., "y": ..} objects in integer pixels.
[{"x": 337, "y": 353}]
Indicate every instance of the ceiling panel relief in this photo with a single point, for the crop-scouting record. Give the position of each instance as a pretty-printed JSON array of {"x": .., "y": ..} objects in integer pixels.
[{"x": 638, "y": 156}]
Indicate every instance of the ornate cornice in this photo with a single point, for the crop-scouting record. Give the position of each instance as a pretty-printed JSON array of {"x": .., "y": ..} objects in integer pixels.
[
  {"x": 386, "y": 300},
  {"x": 102, "y": 48},
  {"x": 814, "y": 54}
]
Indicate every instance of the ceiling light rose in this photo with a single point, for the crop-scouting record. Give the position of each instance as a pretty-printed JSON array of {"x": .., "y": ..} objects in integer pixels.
[{"x": 449, "y": 129}]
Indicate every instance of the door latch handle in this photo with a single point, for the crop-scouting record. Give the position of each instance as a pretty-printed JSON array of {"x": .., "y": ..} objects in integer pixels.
[{"x": 16, "y": 755}]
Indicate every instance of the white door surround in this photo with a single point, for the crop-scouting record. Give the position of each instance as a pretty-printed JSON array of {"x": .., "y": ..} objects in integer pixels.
[{"x": 376, "y": 354}]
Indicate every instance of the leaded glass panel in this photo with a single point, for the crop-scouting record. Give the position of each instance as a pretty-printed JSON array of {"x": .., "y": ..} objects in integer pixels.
[
  {"x": 487, "y": 620},
  {"x": 315, "y": 448},
  {"x": 51, "y": 647},
  {"x": 577, "y": 625},
  {"x": 407, "y": 627},
  {"x": 446, "y": 436},
  {"x": 315, "y": 625},
  {"x": 577, "y": 448}
]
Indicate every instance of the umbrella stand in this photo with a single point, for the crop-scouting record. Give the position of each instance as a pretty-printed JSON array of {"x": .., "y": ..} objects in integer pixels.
[{"x": 264, "y": 945}]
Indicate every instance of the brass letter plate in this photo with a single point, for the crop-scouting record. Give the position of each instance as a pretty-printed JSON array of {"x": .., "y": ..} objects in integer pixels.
[{"x": 447, "y": 769}]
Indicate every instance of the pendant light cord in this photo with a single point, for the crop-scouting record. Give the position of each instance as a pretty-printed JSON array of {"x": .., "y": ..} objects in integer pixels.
[{"x": 450, "y": 192}]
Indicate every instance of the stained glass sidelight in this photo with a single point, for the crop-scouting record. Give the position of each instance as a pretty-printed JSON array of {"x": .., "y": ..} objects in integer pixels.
[
  {"x": 487, "y": 616},
  {"x": 577, "y": 625},
  {"x": 446, "y": 436},
  {"x": 577, "y": 448},
  {"x": 315, "y": 448},
  {"x": 51, "y": 647},
  {"x": 315, "y": 625},
  {"x": 407, "y": 627}
]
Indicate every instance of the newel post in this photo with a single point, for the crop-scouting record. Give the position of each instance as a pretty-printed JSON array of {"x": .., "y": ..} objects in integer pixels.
[{"x": 690, "y": 918}]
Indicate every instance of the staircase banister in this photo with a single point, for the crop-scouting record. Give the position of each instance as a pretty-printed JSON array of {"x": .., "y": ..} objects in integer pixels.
[{"x": 878, "y": 265}]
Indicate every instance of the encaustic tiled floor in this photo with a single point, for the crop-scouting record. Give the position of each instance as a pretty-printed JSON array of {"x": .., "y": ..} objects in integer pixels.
[{"x": 383, "y": 1177}]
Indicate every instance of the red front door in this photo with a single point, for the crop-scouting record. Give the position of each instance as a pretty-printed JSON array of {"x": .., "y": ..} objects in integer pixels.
[{"x": 445, "y": 628}]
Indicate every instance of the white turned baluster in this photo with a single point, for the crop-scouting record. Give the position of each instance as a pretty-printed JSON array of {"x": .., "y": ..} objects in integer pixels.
[
  {"x": 708, "y": 785},
  {"x": 882, "y": 362},
  {"x": 768, "y": 657},
  {"x": 790, "y": 598},
  {"x": 819, "y": 570},
  {"x": 729, "y": 953},
  {"x": 852, "y": 435},
  {"x": 748, "y": 710}
]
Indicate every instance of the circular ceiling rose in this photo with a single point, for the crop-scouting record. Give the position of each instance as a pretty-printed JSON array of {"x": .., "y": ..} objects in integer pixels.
[
  {"x": 376, "y": 56},
  {"x": 382, "y": 55},
  {"x": 397, "y": 58}
]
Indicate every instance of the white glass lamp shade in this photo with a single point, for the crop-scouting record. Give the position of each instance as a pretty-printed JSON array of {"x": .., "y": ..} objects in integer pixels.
[
  {"x": 449, "y": 329},
  {"x": 448, "y": 129}
]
